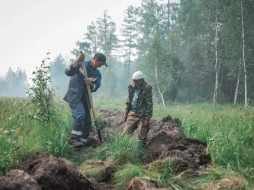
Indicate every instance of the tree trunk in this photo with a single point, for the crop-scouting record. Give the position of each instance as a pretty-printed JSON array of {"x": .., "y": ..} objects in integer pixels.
[
  {"x": 237, "y": 83},
  {"x": 157, "y": 82},
  {"x": 216, "y": 68},
  {"x": 243, "y": 59}
]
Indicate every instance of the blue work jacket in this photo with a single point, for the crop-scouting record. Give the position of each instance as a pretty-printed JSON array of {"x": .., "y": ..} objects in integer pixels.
[{"x": 77, "y": 86}]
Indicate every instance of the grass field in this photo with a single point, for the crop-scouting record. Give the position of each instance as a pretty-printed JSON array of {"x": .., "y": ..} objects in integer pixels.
[{"x": 228, "y": 130}]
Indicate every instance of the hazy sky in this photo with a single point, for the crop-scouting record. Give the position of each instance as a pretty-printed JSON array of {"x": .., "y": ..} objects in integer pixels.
[{"x": 31, "y": 28}]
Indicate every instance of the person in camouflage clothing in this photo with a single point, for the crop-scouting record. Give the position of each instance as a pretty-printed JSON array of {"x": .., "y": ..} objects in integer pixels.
[{"x": 139, "y": 107}]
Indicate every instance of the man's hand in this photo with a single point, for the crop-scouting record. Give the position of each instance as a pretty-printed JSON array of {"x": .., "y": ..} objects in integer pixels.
[
  {"x": 88, "y": 82},
  {"x": 147, "y": 122},
  {"x": 81, "y": 57},
  {"x": 125, "y": 117}
]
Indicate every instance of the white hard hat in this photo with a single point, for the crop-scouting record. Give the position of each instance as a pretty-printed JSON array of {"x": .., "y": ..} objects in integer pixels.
[{"x": 138, "y": 75}]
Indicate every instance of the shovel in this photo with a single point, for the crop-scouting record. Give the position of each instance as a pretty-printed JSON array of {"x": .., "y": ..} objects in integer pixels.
[{"x": 83, "y": 71}]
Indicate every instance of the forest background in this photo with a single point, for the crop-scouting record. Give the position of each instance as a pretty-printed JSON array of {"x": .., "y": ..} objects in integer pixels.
[{"x": 191, "y": 51}]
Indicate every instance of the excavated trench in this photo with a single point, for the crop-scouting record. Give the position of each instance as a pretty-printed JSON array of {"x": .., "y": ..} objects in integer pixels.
[{"x": 166, "y": 142}]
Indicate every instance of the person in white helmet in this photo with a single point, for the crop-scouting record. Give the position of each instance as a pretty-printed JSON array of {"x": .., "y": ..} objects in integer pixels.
[{"x": 139, "y": 107}]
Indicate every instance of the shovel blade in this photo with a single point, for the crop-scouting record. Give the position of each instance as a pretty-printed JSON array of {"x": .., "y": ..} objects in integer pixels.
[
  {"x": 98, "y": 130},
  {"x": 99, "y": 135}
]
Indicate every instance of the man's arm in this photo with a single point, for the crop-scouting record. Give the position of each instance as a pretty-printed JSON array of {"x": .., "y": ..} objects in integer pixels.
[
  {"x": 128, "y": 103},
  {"x": 96, "y": 83},
  {"x": 74, "y": 68}
]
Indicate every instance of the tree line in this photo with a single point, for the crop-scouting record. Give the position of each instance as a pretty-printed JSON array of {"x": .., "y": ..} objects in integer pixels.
[
  {"x": 13, "y": 83},
  {"x": 190, "y": 50}
]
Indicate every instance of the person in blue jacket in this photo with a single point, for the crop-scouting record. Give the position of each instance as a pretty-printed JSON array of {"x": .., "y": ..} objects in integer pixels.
[{"x": 77, "y": 95}]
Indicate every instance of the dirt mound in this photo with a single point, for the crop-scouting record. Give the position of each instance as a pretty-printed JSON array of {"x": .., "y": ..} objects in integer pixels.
[
  {"x": 113, "y": 119},
  {"x": 56, "y": 173},
  {"x": 44, "y": 171},
  {"x": 166, "y": 140},
  {"x": 166, "y": 144},
  {"x": 18, "y": 179}
]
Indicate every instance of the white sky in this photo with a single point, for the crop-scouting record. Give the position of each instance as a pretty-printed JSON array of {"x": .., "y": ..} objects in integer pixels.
[{"x": 31, "y": 28}]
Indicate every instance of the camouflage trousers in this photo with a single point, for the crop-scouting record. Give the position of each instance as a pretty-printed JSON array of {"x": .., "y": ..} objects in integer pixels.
[{"x": 134, "y": 122}]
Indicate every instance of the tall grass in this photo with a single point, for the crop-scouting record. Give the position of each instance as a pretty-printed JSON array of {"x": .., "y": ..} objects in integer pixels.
[
  {"x": 121, "y": 150},
  {"x": 123, "y": 176},
  {"x": 22, "y": 135},
  {"x": 228, "y": 130},
  {"x": 127, "y": 173}
]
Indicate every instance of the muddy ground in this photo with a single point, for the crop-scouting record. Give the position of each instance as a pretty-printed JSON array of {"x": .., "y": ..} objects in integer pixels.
[{"x": 166, "y": 142}]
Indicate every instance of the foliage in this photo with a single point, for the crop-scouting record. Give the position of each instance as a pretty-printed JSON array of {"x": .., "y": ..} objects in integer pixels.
[
  {"x": 94, "y": 169},
  {"x": 21, "y": 135},
  {"x": 12, "y": 121},
  {"x": 227, "y": 129},
  {"x": 193, "y": 36},
  {"x": 125, "y": 175},
  {"x": 121, "y": 150},
  {"x": 40, "y": 94},
  {"x": 53, "y": 138},
  {"x": 129, "y": 37},
  {"x": 216, "y": 176},
  {"x": 198, "y": 35},
  {"x": 22, "y": 129}
]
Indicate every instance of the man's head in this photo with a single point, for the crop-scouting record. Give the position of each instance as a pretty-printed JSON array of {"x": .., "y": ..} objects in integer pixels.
[
  {"x": 100, "y": 59},
  {"x": 138, "y": 78}
]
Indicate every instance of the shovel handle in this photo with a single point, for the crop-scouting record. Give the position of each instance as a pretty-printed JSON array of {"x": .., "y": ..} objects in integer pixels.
[{"x": 83, "y": 71}]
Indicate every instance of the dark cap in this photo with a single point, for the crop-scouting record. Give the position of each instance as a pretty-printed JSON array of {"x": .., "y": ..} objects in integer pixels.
[{"x": 101, "y": 57}]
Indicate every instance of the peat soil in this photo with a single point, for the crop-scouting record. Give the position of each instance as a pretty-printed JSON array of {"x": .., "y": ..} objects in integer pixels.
[{"x": 166, "y": 142}]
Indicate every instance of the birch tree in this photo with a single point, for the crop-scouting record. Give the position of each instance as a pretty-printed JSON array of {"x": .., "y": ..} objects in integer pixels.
[
  {"x": 243, "y": 58},
  {"x": 237, "y": 83},
  {"x": 217, "y": 64}
]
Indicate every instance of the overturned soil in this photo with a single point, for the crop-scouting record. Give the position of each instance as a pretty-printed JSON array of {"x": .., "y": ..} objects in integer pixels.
[{"x": 166, "y": 143}]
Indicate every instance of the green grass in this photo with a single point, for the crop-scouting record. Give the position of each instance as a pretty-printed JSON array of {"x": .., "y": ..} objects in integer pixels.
[
  {"x": 21, "y": 135},
  {"x": 94, "y": 169},
  {"x": 120, "y": 150},
  {"x": 228, "y": 130},
  {"x": 125, "y": 175},
  {"x": 161, "y": 180}
]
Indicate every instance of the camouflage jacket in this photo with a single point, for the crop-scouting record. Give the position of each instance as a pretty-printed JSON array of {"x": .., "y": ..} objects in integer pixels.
[{"x": 144, "y": 102}]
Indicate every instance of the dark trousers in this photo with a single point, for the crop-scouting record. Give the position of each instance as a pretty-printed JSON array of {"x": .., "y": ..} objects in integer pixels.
[{"x": 82, "y": 119}]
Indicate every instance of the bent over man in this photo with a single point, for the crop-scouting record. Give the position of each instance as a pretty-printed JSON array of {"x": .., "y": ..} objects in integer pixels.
[
  {"x": 77, "y": 95},
  {"x": 139, "y": 107}
]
